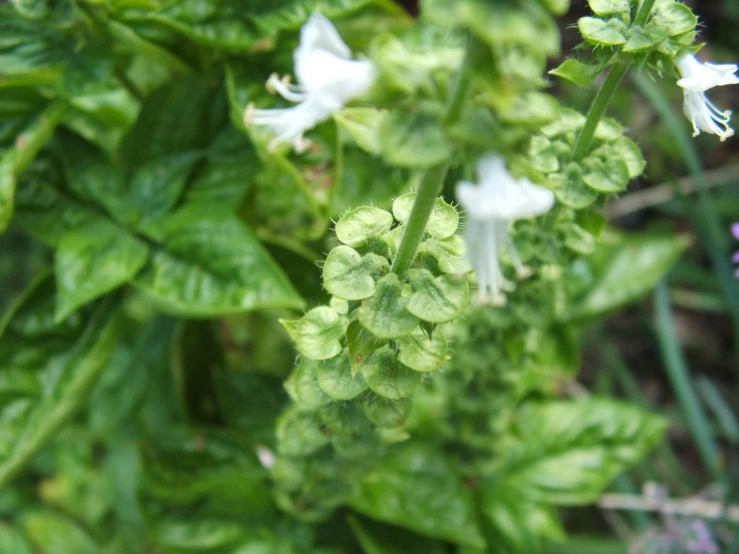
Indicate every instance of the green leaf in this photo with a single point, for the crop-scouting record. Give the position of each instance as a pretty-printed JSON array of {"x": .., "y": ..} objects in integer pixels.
[
  {"x": 440, "y": 299},
  {"x": 55, "y": 534},
  {"x": 576, "y": 72},
  {"x": 29, "y": 342},
  {"x": 211, "y": 264},
  {"x": 532, "y": 109},
  {"x": 414, "y": 140},
  {"x": 377, "y": 538},
  {"x": 183, "y": 115},
  {"x": 203, "y": 475},
  {"x": 384, "y": 314},
  {"x": 155, "y": 188},
  {"x": 93, "y": 259},
  {"x": 16, "y": 160},
  {"x": 387, "y": 377},
  {"x": 568, "y": 451},
  {"x": 626, "y": 269},
  {"x": 349, "y": 276},
  {"x": 414, "y": 486},
  {"x": 337, "y": 379},
  {"x": 606, "y": 33},
  {"x": 631, "y": 154},
  {"x": 12, "y": 542},
  {"x": 363, "y": 126},
  {"x": 609, "y": 7}
]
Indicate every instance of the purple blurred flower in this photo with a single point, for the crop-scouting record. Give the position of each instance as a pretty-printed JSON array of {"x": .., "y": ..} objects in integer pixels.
[{"x": 735, "y": 257}]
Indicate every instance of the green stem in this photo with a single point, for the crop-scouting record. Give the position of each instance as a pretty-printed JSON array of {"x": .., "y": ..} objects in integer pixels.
[
  {"x": 463, "y": 82},
  {"x": 428, "y": 190},
  {"x": 598, "y": 108},
  {"x": 644, "y": 11},
  {"x": 433, "y": 177}
]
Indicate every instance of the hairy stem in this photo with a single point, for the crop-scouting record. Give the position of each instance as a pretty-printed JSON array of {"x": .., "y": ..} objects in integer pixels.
[
  {"x": 598, "y": 108},
  {"x": 644, "y": 11},
  {"x": 428, "y": 190},
  {"x": 433, "y": 177}
]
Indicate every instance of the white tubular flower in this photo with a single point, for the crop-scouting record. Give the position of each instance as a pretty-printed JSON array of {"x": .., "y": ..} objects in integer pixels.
[
  {"x": 697, "y": 78},
  {"x": 328, "y": 78},
  {"x": 491, "y": 205}
]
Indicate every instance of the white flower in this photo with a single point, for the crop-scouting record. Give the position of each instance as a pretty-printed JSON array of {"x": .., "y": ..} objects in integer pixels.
[
  {"x": 266, "y": 456},
  {"x": 697, "y": 78},
  {"x": 491, "y": 205},
  {"x": 328, "y": 78}
]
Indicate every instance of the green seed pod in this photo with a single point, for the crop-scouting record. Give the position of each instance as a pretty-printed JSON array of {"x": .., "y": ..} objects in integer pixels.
[
  {"x": 439, "y": 299},
  {"x": 300, "y": 433},
  {"x": 350, "y": 276},
  {"x": 422, "y": 353},
  {"x": 442, "y": 223},
  {"x": 317, "y": 333},
  {"x": 385, "y": 314},
  {"x": 388, "y": 415},
  {"x": 448, "y": 253},
  {"x": 387, "y": 377},
  {"x": 356, "y": 447},
  {"x": 359, "y": 225},
  {"x": 336, "y": 380},
  {"x": 345, "y": 419},
  {"x": 302, "y": 385}
]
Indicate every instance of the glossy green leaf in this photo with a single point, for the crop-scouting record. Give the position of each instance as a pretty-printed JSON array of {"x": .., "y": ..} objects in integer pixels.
[
  {"x": 674, "y": 18},
  {"x": 626, "y": 269},
  {"x": 12, "y": 542},
  {"x": 377, "y": 538},
  {"x": 388, "y": 414},
  {"x": 568, "y": 451},
  {"x": 94, "y": 259},
  {"x": 211, "y": 264},
  {"x": 155, "y": 188},
  {"x": 52, "y": 533},
  {"x": 16, "y": 160},
  {"x": 415, "y": 487},
  {"x": 610, "y": 176},
  {"x": 570, "y": 188},
  {"x": 29, "y": 342}
]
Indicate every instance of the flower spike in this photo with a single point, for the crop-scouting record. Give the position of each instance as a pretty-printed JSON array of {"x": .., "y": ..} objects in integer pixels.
[{"x": 328, "y": 78}]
